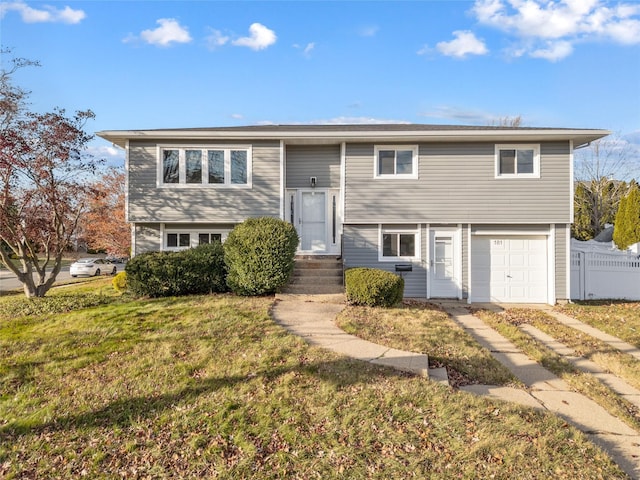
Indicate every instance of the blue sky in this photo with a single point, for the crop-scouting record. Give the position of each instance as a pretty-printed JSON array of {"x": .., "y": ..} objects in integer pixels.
[{"x": 164, "y": 64}]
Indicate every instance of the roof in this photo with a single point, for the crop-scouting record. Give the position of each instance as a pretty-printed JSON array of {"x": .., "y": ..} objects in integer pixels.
[{"x": 335, "y": 133}]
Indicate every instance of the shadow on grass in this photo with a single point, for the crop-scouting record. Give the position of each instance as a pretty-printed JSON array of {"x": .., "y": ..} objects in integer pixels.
[{"x": 124, "y": 412}]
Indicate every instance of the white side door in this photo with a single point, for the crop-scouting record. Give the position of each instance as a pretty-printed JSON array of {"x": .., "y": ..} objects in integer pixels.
[{"x": 444, "y": 274}]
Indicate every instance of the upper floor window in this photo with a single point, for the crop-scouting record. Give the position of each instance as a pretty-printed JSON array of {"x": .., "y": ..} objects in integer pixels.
[
  {"x": 220, "y": 166},
  {"x": 517, "y": 161},
  {"x": 396, "y": 161}
]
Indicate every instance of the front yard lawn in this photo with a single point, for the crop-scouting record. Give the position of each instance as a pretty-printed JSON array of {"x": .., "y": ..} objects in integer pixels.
[
  {"x": 211, "y": 387},
  {"x": 620, "y": 319},
  {"x": 425, "y": 328}
]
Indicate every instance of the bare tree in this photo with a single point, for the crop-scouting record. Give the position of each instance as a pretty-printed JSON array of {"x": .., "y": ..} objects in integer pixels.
[
  {"x": 507, "y": 121},
  {"x": 601, "y": 171}
]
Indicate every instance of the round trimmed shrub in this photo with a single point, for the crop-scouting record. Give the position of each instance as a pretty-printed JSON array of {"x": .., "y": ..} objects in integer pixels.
[
  {"x": 119, "y": 282},
  {"x": 259, "y": 254},
  {"x": 373, "y": 287}
]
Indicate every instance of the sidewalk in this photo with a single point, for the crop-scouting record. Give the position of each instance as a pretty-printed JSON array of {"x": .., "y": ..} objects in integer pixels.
[{"x": 312, "y": 318}]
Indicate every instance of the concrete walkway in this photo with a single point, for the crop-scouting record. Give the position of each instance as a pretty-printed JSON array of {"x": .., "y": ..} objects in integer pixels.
[
  {"x": 312, "y": 318},
  {"x": 551, "y": 393}
]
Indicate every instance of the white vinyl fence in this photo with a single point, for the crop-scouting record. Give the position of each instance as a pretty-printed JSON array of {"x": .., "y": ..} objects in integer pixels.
[{"x": 597, "y": 275}]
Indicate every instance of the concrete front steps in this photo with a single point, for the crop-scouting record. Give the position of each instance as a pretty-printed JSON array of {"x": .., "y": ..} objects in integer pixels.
[{"x": 316, "y": 275}]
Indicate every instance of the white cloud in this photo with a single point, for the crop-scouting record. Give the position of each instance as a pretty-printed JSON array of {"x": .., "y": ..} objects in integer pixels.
[
  {"x": 216, "y": 39},
  {"x": 237, "y": 116},
  {"x": 306, "y": 51},
  {"x": 47, "y": 14},
  {"x": 308, "y": 48},
  {"x": 260, "y": 38},
  {"x": 464, "y": 44},
  {"x": 554, "y": 51},
  {"x": 169, "y": 31},
  {"x": 549, "y": 29}
]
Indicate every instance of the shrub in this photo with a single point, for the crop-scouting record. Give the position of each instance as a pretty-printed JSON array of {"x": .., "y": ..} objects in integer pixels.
[
  {"x": 627, "y": 224},
  {"x": 373, "y": 287},
  {"x": 119, "y": 282},
  {"x": 259, "y": 254},
  {"x": 164, "y": 274}
]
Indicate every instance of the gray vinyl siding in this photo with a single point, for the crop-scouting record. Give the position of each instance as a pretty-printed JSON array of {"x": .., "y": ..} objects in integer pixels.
[
  {"x": 561, "y": 262},
  {"x": 147, "y": 238},
  {"x": 457, "y": 184},
  {"x": 320, "y": 161},
  {"x": 360, "y": 249},
  {"x": 148, "y": 203}
]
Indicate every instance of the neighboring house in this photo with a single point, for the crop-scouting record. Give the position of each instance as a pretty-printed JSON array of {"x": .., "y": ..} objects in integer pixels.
[{"x": 481, "y": 213}]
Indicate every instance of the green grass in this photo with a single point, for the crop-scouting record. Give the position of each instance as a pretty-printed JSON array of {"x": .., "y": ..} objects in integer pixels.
[
  {"x": 507, "y": 324},
  {"x": 210, "y": 387},
  {"x": 620, "y": 319},
  {"x": 425, "y": 328}
]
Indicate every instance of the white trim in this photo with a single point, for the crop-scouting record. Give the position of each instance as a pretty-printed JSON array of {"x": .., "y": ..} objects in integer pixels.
[
  {"x": 456, "y": 236},
  {"x": 571, "y": 183},
  {"x": 343, "y": 184},
  {"x": 205, "y": 162},
  {"x": 126, "y": 182},
  {"x": 506, "y": 231},
  {"x": 521, "y": 146},
  {"x": 427, "y": 259},
  {"x": 336, "y": 134},
  {"x": 417, "y": 244},
  {"x": 283, "y": 166},
  {"x": 396, "y": 176},
  {"x": 133, "y": 240},
  {"x": 162, "y": 237},
  {"x": 551, "y": 265},
  {"x": 567, "y": 247},
  {"x": 469, "y": 263}
]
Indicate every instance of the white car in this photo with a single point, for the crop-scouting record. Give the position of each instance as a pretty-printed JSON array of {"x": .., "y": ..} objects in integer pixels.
[{"x": 92, "y": 267}]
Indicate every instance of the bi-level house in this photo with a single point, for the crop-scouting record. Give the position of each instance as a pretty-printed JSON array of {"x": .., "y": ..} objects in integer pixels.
[{"x": 467, "y": 212}]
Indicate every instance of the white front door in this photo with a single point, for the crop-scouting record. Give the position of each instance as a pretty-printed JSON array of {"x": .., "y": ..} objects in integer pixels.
[
  {"x": 312, "y": 226},
  {"x": 443, "y": 266}
]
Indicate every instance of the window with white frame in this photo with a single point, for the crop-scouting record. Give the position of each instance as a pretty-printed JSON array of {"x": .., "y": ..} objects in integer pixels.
[
  {"x": 181, "y": 239},
  {"x": 212, "y": 166},
  {"x": 393, "y": 161},
  {"x": 399, "y": 244},
  {"x": 514, "y": 161}
]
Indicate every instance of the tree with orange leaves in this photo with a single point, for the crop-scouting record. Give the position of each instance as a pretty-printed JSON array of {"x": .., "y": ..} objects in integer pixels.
[{"x": 104, "y": 226}]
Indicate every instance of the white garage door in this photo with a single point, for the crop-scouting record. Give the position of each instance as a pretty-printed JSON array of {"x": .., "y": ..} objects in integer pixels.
[{"x": 509, "y": 269}]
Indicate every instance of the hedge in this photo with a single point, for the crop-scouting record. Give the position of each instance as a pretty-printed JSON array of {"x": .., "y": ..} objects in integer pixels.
[{"x": 193, "y": 271}]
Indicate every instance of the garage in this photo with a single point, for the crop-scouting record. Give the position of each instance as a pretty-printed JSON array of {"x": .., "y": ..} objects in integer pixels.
[{"x": 509, "y": 268}]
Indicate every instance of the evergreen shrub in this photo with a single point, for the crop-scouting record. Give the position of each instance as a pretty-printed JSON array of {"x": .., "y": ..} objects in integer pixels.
[
  {"x": 259, "y": 254},
  {"x": 164, "y": 274},
  {"x": 373, "y": 287}
]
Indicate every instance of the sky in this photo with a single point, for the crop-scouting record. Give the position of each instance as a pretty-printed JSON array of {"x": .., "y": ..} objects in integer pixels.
[{"x": 166, "y": 64}]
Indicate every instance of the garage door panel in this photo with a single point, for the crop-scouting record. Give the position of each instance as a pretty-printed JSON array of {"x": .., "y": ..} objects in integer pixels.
[{"x": 515, "y": 267}]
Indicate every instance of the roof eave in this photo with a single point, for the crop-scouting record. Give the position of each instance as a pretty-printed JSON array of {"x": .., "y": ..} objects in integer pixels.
[{"x": 579, "y": 136}]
